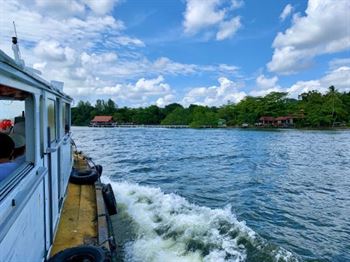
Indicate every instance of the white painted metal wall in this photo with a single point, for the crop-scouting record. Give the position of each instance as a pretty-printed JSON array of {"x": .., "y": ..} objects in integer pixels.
[
  {"x": 25, "y": 239},
  {"x": 25, "y": 210}
]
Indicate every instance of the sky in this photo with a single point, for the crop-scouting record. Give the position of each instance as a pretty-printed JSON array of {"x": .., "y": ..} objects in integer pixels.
[{"x": 208, "y": 52}]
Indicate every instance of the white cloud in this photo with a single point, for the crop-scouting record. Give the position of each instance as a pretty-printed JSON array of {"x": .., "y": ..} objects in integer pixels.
[
  {"x": 201, "y": 15},
  {"x": 235, "y": 4},
  {"x": 52, "y": 50},
  {"x": 100, "y": 7},
  {"x": 73, "y": 49},
  {"x": 152, "y": 86},
  {"x": 34, "y": 26},
  {"x": 265, "y": 85},
  {"x": 289, "y": 60},
  {"x": 127, "y": 68},
  {"x": 143, "y": 91},
  {"x": 60, "y": 7},
  {"x": 127, "y": 41},
  {"x": 227, "y": 90},
  {"x": 263, "y": 92},
  {"x": 305, "y": 86},
  {"x": 166, "y": 65},
  {"x": 228, "y": 68},
  {"x": 64, "y": 8},
  {"x": 98, "y": 70},
  {"x": 338, "y": 62},
  {"x": 39, "y": 66},
  {"x": 166, "y": 100},
  {"x": 287, "y": 11},
  {"x": 323, "y": 30},
  {"x": 265, "y": 82},
  {"x": 94, "y": 61},
  {"x": 61, "y": 47},
  {"x": 228, "y": 28},
  {"x": 340, "y": 78}
]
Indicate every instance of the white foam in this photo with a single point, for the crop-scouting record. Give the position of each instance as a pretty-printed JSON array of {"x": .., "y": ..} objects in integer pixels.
[{"x": 169, "y": 228}]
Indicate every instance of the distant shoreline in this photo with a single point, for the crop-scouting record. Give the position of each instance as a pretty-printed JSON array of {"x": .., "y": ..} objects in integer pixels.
[
  {"x": 312, "y": 110},
  {"x": 229, "y": 127}
]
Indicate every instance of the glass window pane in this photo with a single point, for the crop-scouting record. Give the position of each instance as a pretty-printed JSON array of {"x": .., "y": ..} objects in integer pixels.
[
  {"x": 63, "y": 118},
  {"x": 67, "y": 118},
  {"x": 51, "y": 115},
  {"x": 14, "y": 145}
]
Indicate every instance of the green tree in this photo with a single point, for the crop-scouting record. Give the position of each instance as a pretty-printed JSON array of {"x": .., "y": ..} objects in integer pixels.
[
  {"x": 203, "y": 117},
  {"x": 170, "y": 108},
  {"x": 110, "y": 107},
  {"x": 318, "y": 110},
  {"x": 229, "y": 113},
  {"x": 81, "y": 114},
  {"x": 179, "y": 116},
  {"x": 333, "y": 110}
]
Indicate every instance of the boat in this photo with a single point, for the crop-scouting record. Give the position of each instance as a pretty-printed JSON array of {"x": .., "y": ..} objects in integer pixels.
[{"x": 53, "y": 205}]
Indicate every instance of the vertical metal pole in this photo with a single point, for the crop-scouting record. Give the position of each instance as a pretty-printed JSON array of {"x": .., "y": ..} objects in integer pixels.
[
  {"x": 50, "y": 182},
  {"x": 45, "y": 238}
]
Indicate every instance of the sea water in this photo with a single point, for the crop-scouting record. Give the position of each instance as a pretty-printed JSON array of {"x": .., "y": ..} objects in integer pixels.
[{"x": 226, "y": 194}]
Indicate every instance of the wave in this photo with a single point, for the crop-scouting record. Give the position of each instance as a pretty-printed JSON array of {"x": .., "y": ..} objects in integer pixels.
[{"x": 169, "y": 228}]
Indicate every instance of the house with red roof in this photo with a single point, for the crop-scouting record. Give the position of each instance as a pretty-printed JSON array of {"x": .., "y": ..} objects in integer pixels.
[
  {"x": 266, "y": 121},
  {"x": 102, "y": 121},
  {"x": 280, "y": 121},
  {"x": 284, "y": 121}
]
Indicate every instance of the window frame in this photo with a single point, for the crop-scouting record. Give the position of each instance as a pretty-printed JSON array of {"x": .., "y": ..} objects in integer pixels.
[
  {"x": 55, "y": 116},
  {"x": 27, "y": 165},
  {"x": 67, "y": 117}
]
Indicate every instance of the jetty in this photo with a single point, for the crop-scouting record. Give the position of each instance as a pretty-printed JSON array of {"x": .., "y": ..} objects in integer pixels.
[{"x": 142, "y": 126}]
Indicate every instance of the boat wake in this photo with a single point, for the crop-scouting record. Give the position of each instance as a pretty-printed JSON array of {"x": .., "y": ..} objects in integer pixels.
[{"x": 169, "y": 228}]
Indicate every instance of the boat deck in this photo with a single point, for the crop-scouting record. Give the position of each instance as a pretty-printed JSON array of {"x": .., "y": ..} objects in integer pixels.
[
  {"x": 79, "y": 218},
  {"x": 78, "y": 223}
]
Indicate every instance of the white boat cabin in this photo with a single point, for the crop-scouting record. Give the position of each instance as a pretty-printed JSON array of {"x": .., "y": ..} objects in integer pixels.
[{"x": 35, "y": 114}]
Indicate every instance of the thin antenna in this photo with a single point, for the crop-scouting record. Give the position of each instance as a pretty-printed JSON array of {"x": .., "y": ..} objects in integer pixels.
[
  {"x": 15, "y": 47},
  {"x": 14, "y": 27}
]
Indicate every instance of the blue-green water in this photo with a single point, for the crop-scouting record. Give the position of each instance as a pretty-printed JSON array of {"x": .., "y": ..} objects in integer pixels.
[{"x": 227, "y": 195}]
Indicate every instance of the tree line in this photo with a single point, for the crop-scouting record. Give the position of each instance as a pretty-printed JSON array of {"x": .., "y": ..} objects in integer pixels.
[{"x": 312, "y": 109}]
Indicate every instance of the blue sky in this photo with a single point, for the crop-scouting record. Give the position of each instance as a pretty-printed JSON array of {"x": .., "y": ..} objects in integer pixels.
[{"x": 187, "y": 51}]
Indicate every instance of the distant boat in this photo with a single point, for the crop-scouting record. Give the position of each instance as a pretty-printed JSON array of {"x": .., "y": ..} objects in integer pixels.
[{"x": 245, "y": 125}]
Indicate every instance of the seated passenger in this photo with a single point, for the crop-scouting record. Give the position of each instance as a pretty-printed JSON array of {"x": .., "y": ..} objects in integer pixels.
[
  {"x": 6, "y": 152},
  {"x": 20, "y": 147}
]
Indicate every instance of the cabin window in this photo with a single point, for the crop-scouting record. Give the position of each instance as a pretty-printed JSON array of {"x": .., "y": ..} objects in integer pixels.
[
  {"x": 66, "y": 118},
  {"x": 16, "y": 138},
  {"x": 51, "y": 117},
  {"x": 42, "y": 121},
  {"x": 65, "y": 122}
]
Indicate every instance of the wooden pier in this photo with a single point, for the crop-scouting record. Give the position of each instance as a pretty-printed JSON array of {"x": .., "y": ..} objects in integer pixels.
[{"x": 140, "y": 126}]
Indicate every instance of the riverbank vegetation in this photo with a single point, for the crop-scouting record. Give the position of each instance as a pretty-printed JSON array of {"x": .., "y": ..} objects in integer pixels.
[{"x": 311, "y": 109}]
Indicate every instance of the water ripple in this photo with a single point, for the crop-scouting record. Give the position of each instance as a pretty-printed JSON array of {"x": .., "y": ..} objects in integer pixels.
[{"x": 291, "y": 187}]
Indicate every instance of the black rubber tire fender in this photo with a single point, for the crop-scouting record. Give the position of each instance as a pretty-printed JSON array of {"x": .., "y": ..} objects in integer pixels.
[
  {"x": 80, "y": 254},
  {"x": 109, "y": 198},
  {"x": 99, "y": 169},
  {"x": 84, "y": 177}
]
